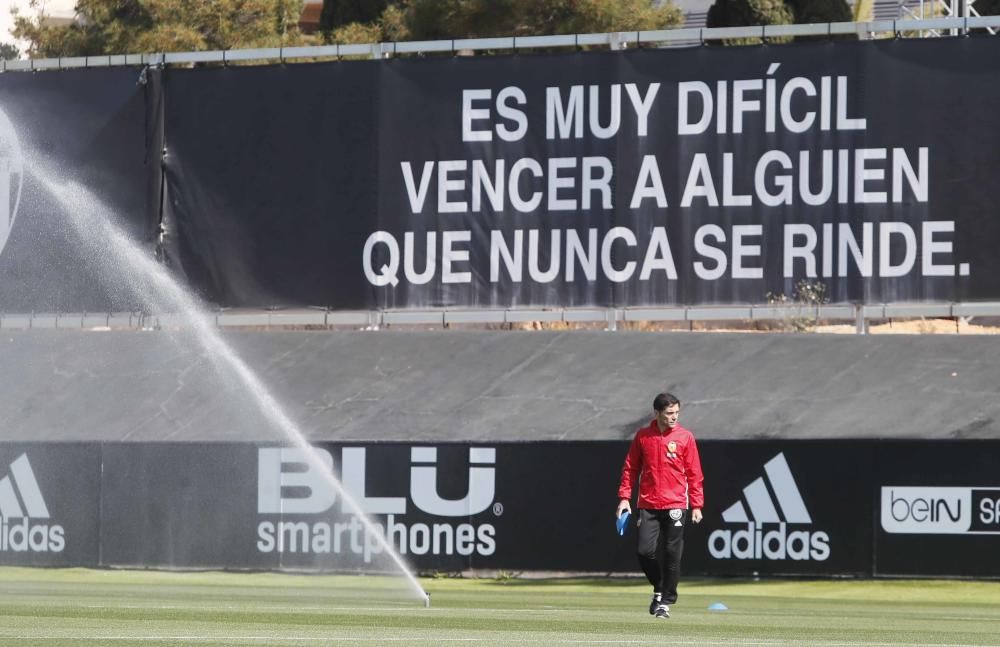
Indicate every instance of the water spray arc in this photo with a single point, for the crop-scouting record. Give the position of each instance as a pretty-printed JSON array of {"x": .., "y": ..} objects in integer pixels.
[{"x": 153, "y": 283}]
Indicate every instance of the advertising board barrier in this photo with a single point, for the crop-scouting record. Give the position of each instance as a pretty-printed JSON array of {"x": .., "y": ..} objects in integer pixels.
[
  {"x": 784, "y": 508},
  {"x": 938, "y": 506},
  {"x": 858, "y": 508}
]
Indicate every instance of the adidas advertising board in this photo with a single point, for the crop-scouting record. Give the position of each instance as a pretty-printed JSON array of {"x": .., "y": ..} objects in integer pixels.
[
  {"x": 770, "y": 534},
  {"x": 781, "y": 508},
  {"x": 49, "y": 505}
]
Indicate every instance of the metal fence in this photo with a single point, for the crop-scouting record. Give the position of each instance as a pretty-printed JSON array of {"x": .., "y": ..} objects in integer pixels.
[
  {"x": 681, "y": 37},
  {"x": 608, "y": 318}
]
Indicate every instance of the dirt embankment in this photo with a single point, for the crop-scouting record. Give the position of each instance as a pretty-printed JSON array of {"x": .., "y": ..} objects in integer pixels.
[{"x": 956, "y": 326}]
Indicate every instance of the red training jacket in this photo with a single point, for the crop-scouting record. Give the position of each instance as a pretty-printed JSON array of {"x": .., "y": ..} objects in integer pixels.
[{"x": 668, "y": 469}]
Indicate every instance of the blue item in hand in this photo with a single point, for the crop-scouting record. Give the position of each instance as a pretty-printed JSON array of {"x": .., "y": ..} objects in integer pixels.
[{"x": 622, "y": 522}]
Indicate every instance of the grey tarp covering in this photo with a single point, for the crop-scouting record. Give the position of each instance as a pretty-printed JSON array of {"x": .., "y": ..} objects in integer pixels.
[{"x": 498, "y": 386}]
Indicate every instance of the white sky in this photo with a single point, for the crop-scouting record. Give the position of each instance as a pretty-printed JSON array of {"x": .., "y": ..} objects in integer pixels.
[{"x": 54, "y": 7}]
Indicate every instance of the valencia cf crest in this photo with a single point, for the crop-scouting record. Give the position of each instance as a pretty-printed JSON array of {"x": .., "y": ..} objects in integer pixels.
[
  {"x": 671, "y": 449},
  {"x": 11, "y": 177}
]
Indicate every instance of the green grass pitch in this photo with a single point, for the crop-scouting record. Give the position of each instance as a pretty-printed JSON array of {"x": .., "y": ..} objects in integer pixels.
[{"x": 85, "y": 607}]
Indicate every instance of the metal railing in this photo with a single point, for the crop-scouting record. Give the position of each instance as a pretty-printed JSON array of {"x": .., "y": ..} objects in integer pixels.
[
  {"x": 613, "y": 40},
  {"x": 609, "y": 318}
]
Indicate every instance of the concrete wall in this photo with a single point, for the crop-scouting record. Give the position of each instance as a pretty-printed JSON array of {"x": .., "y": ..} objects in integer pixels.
[{"x": 496, "y": 386}]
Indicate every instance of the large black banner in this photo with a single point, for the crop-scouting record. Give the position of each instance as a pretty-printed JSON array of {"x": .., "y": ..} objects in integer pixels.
[
  {"x": 271, "y": 183},
  {"x": 75, "y": 146},
  {"x": 694, "y": 176},
  {"x": 708, "y": 175}
]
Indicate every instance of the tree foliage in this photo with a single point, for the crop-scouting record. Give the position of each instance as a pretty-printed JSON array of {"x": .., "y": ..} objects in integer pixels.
[
  {"x": 446, "y": 19},
  {"x": 745, "y": 13},
  {"x": 339, "y": 13},
  {"x": 819, "y": 11},
  {"x": 138, "y": 26},
  {"x": 9, "y": 51},
  {"x": 430, "y": 19},
  {"x": 389, "y": 26}
]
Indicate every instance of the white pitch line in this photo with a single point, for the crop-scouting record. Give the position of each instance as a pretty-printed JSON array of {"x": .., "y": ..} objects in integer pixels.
[
  {"x": 230, "y": 607},
  {"x": 335, "y": 609},
  {"x": 548, "y": 640},
  {"x": 379, "y": 639}
]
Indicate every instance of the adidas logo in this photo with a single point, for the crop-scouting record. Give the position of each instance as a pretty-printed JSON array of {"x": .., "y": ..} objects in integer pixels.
[
  {"x": 766, "y": 535},
  {"x": 24, "y": 478},
  {"x": 17, "y": 533}
]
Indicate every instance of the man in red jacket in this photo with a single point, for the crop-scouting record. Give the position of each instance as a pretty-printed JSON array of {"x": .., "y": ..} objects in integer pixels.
[{"x": 664, "y": 459}]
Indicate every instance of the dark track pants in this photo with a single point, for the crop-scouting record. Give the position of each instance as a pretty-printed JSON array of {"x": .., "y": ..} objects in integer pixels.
[{"x": 661, "y": 543}]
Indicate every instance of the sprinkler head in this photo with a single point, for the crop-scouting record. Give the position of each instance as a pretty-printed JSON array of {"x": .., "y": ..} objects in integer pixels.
[{"x": 427, "y": 600}]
